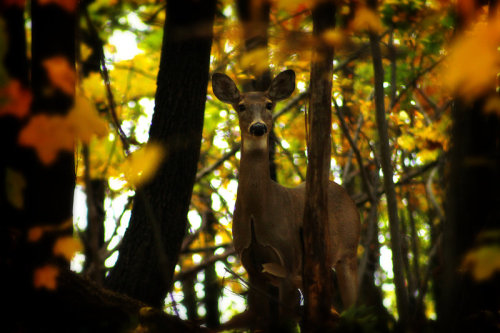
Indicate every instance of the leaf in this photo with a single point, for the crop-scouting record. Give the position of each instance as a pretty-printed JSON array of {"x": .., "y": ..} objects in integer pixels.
[
  {"x": 46, "y": 277},
  {"x": 47, "y": 135},
  {"x": 15, "y": 184},
  {"x": 482, "y": 262},
  {"x": 15, "y": 100},
  {"x": 142, "y": 164},
  {"x": 255, "y": 59},
  {"x": 473, "y": 62},
  {"x": 61, "y": 74},
  {"x": 68, "y": 5},
  {"x": 366, "y": 19},
  {"x": 333, "y": 37},
  {"x": 85, "y": 121},
  {"x": 67, "y": 247}
]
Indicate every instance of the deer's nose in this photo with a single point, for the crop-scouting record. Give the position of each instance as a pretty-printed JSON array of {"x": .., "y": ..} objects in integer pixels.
[{"x": 258, "y": 129}]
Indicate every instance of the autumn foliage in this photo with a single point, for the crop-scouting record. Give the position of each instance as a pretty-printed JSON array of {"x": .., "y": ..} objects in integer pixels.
[{"x": 84, "y": 117}]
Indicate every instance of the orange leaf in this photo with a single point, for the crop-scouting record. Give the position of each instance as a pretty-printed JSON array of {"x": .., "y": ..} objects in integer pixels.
[
  {"x": 68, "y": 5},
  {"x": 15, "y": 100},
  {"x": 61, "y": 74},
  {"x": 47, "y": 135},
  {"x": 46, "y": 277},
  {"x": 67, "y": 247}
]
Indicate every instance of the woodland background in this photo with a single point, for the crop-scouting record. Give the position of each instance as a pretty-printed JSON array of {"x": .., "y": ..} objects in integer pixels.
[{"x": 143, "y": 213}]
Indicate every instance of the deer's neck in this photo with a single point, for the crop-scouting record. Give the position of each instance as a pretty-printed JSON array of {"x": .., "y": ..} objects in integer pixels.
[{"x": 254, "y": 175}]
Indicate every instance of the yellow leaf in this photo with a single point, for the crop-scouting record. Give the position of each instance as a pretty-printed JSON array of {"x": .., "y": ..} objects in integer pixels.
[
  {"x": 406, "y": 142},
  {"x": 47, "y": 135},
  {"x": 256, "y": 60},
  {"x": 333, "y": 37},
  {"x": 67, "y": 247},
  {"x": 46, "y": 277},
  {"x": 473, "y": 62},
  {"x": 483, "y": 262},
  {"x": 15, "y": 184},
  {"x": 366, "y": 19},
  {"x": 85, "y": 121},
  {"x": 61, "y": 74},
  {"x": 142, "y": 164},
  {"x": 426, "y": 155}
]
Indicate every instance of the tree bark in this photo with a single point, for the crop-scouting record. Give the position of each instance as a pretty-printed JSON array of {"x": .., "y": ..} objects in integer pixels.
[
  {"x": 43, "y": 189},
  {"x": 317, "y": 277},
  {"x": 472, "y": 218},
  {"x": 150, "y": 249},
  {"x": 390, "y": 192}
]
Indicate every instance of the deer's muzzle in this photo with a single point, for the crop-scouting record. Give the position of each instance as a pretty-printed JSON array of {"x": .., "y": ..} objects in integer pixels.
[{"x": 258, "y": 129}]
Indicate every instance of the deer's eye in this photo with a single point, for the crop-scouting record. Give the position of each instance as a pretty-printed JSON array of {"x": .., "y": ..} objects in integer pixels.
[
  {"x": 241, "y": 107},
  {"x": 269, "y": 106}
]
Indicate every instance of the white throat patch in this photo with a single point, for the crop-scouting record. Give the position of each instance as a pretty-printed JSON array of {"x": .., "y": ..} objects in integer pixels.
[{"x": 255, "y": 143}]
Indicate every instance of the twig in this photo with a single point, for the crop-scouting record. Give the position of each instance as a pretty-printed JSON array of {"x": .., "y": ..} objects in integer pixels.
[{"x": 204, "y": 264}]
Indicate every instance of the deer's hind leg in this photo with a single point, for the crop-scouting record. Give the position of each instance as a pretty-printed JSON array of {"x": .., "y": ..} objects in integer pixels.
[{"x": 347, "y": 275}]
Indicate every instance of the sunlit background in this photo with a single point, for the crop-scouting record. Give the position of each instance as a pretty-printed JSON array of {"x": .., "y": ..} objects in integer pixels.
[{"x": 132, "y": 51}]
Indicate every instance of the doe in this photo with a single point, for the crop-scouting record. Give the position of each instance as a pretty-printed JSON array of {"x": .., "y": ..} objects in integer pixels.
[{"x": 268, "y": 217}]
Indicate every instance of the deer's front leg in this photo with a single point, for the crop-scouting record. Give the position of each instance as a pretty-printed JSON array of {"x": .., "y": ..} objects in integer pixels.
[
  {"x": 259, "y": 302},
  {"x": 347, "y": 275},
  {"x": 289, "y": 302}
]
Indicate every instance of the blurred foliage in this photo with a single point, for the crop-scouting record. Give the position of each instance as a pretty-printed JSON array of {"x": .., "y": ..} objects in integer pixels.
[{"x": 415, "y": 35}]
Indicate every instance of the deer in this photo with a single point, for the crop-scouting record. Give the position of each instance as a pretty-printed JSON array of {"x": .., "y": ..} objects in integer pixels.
[{"x": 268, "y": 217}]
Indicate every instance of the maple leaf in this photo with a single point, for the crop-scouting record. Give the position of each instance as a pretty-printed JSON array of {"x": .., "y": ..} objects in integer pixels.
[
  {"x": 15, "y": 100},
  {"x": 61, "y": 74},
  {"x": 85, "y": 121},
  {"x": 46, "y": 277},
  {"x": 47, "y": 135},
  {"x": 67, "y": 247},
  {"x": 142, "y": 164}
]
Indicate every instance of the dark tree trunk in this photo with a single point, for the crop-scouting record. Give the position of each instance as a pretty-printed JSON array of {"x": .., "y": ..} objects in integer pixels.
[
  {"x": 317, "y": 277},
  {"x": 43, "y": 188},
  {"x": 472, "y": 215},
  {"x": 151, "y": 244},
  {"x": 212, "y": 285},
  {"x": 472, "y": 219},
  {"x": 94, "y": 234}
]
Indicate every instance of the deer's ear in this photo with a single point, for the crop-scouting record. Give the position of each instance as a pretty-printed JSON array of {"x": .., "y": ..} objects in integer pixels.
[
  {"x": 282, "y": 86},
  {"x": 225, "y": 89}
]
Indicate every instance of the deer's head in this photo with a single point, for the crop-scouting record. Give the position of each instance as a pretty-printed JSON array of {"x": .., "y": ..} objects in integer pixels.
[{"x": 254, "y": 108}]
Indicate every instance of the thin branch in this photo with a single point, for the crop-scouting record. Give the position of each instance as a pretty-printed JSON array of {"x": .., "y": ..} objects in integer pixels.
[
  {"x": 364, "y": 176},
  {"x": 204, "y": 264},
  {"x": 362, "y": 198}
]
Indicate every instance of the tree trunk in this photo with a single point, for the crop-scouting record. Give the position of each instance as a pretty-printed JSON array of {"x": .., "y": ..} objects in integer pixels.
[
  {"x": 390, "y": 192},
  {"x": 151, "y": 244},
  {"x": 317, "y": 277},
  {"x": 472, "y": 219},
  {"x": 38, "y": 205}
]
